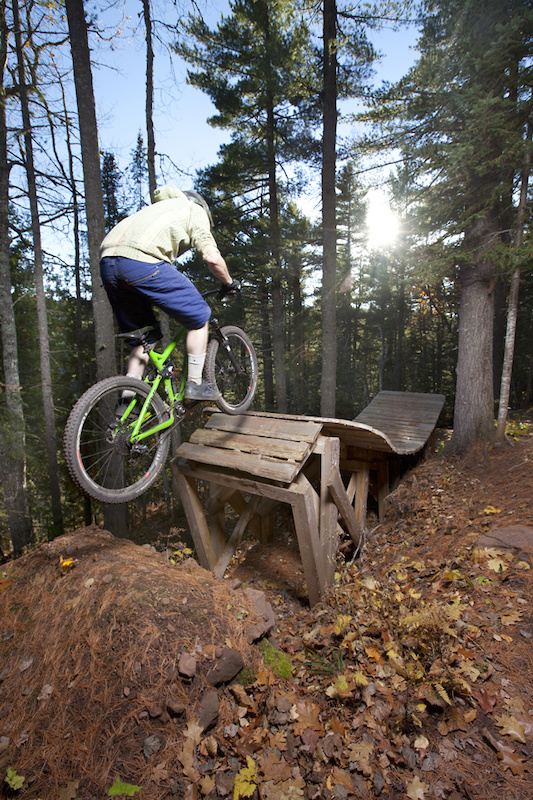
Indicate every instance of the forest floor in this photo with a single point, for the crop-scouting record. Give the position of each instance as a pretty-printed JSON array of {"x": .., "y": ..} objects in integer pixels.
[{"x": 412, "y": 680}]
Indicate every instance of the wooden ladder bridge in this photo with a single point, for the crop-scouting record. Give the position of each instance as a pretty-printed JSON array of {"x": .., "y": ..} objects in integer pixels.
[{"x": 323, "y": 468}]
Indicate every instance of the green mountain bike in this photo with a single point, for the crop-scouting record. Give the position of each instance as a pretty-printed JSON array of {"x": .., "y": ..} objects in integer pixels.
[{"x": 115, "y": 458}]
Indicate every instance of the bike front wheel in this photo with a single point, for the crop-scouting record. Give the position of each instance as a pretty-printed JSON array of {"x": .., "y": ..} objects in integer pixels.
[
  {"x": 103, "y": 457},
  {"x": 232, "y": 366}
]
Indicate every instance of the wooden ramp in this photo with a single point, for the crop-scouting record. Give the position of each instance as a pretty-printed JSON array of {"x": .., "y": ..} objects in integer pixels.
[{"x": 323, "y": 468}]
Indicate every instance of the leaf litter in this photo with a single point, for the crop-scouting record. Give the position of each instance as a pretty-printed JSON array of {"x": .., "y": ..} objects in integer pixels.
[{"x": 412, "y": 679}]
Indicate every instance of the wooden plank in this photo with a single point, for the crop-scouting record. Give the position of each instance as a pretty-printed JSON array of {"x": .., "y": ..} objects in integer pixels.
[
  {"x": 379, "y": 426},
  {"x": 361, "y": 496},
  {"x": 225, "y": 477},
  {"x": 196, "y": 519},
  {"x": 261, "y": 445},
  {"x": 282, "y": 471},
  {"x": 273, "y": 426},
  {"x": 338, "y": 492}
]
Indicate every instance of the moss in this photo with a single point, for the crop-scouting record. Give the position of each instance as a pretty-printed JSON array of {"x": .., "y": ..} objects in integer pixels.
[{"x": 278, "y": 662}]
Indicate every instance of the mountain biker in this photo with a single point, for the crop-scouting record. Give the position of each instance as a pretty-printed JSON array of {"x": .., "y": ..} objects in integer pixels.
[{"x": 136, "y": 265}]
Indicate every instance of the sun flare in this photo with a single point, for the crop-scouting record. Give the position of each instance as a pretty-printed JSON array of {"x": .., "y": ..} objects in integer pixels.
[{"x": 382, "y": 223}]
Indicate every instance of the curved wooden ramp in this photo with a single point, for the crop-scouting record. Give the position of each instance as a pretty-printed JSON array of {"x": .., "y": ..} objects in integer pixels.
[{"x": 257, "y": 460}]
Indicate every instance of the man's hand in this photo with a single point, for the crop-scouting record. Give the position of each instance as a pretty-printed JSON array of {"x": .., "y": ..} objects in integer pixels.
[{"x": 229, "y": 290}]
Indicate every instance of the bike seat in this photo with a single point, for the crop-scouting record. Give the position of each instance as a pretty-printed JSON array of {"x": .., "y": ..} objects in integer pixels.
[{"x": 139, "y": 335}]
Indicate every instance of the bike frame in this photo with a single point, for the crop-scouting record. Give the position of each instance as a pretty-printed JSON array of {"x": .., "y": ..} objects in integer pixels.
[{"x": 165, "y": 374}]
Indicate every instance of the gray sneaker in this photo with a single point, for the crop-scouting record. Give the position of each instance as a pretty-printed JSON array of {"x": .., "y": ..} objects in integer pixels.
[{"x": 201, "y": 391}]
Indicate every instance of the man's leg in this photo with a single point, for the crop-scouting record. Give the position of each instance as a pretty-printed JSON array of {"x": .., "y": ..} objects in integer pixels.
[
  {"x": 196, "y": 388},
  {"x": 196, "y": 350},
  {"x": 136, "y": 363}
]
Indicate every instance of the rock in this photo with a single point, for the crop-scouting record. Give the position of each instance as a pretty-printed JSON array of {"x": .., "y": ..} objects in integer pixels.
[
  {"x": 228, "y": 666},
  {"x": 264, "y": 610},
  {"x": 151, "y": 745},
  {"x": 175, "y": 707},
  {"x": 518, "y": 536},
  {"x": 187, "y": 665},
  {"x": 208, "y": 710}
]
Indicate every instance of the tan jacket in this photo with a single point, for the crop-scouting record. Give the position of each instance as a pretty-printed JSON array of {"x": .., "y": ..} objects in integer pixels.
[{"x": 161, "y": 232}]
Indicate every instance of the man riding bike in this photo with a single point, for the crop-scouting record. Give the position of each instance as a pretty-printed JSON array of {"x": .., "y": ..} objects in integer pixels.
[{"x": 136, "y": 265}]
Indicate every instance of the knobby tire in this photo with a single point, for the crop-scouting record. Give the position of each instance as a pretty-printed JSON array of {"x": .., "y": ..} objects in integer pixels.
[
  {"x": 237, "y": 385},
  {"x": 98, "y": 451}
]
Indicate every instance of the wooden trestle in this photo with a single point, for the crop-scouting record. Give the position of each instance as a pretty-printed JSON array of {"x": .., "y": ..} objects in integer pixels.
[{"x": 320, "y": 467}]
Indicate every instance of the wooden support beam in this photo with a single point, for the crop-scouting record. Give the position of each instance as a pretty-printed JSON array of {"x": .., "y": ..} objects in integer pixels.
[
  {"x": 342, "y": 502},
  {"x": 304, "y": 509},
  {"x": 195, "y": 517},
  {"x": 328, "y": 510},
  {"x": 235, "y": 538}
]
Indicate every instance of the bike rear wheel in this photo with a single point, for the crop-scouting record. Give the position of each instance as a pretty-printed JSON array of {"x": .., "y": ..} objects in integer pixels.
[
  {"x": 101, "y": 458},
  {"x": 233, "y": 369}
]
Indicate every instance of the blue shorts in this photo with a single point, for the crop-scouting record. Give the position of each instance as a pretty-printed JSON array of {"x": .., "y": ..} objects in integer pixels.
[{"x": 134, "y": 287}]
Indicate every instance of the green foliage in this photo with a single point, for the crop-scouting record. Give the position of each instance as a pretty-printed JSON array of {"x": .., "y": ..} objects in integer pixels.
[
  {"x": 13, "y": 780},
  {"x": 120, "y": 788}
]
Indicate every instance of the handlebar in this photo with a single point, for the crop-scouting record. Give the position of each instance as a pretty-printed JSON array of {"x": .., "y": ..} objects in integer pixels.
[{"x": 229, "y": 290}]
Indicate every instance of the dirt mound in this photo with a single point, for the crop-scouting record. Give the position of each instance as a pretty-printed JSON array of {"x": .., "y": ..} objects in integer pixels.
[
  {"x": 412, "y": 680},
  {"x": 108, "y": 653}
]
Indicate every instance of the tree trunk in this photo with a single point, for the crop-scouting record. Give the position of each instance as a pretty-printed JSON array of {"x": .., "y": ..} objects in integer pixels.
[
  {"x": 278, "y": 316},
  {"x": 115, "y": 516},
  {"x": 329, "y": 224},
  {"x": 12, "y": 432},
  {"x": 512, "y": 314},
  {"x": 150, "y": 139},
  {"x": 44, "y": 342},
  {"x": 474, "y": 394},
  {"x": 94, "y": 202},
  {"x": 266, "y": 346}
]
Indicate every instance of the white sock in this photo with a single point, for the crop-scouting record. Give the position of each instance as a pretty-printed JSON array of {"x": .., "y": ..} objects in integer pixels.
[
  {"x": 127, "y": 394},
  {"x": 196, "y": 367}
]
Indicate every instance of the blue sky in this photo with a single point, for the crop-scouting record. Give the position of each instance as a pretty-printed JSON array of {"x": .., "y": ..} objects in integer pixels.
[{"x": 181, "y": 112}]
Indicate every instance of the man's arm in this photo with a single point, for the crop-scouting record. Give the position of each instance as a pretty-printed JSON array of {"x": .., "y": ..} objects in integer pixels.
[{"x": 217, "y": 267}]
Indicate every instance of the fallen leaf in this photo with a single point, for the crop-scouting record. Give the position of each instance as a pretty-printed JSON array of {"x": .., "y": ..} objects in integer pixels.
[
  {"x": 359, "y": 753},
  {"x": 46, "y": 692},
  {"x": 421, "y": 743},
  {"x": 68, "y": 792},
  {"x": 511, "y": 727},
  {"x": 416, "y": 789},
  {"x": 486, "y": 699},
  {"x": 511, "y": 618},
  {"x": 245, "y": 780},
  {"x": 497, "y": 565}
]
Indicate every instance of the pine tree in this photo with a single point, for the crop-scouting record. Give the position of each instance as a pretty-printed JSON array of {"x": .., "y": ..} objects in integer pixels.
[
  {"x": 465, "y": 108},
  {"x": 256, "y": 67}
]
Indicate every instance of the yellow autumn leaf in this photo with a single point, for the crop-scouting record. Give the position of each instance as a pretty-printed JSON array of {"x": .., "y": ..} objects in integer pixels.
[
  {"x": 360, "y": 679},
  {"x": 443, "y": 693},
  {"x": 492, "y": 510},
  {"x": 340, "y": 688},
  {"x": 523, "y": 565},
  {"x": 66, "y": 563},
  {"x": 341, "y": 623},
  {"x": 245, "y": 780}
]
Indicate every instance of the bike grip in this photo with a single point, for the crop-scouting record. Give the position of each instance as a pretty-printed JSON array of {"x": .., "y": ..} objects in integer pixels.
[{"x": 230, "y": 289}]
